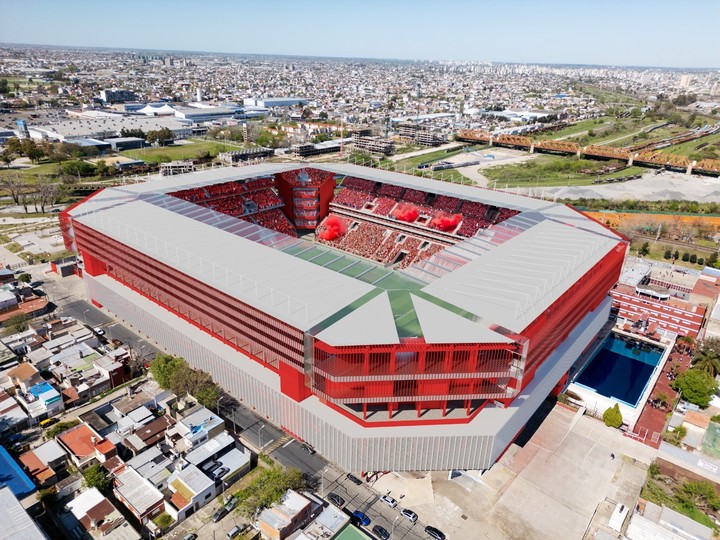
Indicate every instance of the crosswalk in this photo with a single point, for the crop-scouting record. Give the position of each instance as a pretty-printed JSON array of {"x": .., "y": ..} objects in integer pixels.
[{"x": 277, "y": 444}]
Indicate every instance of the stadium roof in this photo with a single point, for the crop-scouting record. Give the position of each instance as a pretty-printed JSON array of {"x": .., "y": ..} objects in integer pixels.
[{"x": 509, "y": 273}]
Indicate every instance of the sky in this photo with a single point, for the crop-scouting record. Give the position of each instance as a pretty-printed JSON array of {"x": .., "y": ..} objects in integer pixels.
[{"x": 679, "y": 33}]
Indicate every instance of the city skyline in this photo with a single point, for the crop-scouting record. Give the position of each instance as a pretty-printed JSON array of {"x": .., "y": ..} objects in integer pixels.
[{"x": 643, "y": 37}]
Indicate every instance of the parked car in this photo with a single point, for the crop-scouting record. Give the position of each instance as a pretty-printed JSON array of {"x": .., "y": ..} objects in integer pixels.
[
  {"x": 217, "y": 516},
  {"x": 222, "y": 471},
  {"x": 99, "y": 331},
  {"x": 337, "y": 500},
  {"x": 309, "y": 449},
  {"x": 191, "y": 536},
  {"x": 232, "y": 533},
  {"x": 435, "y": 533},
  {"x": 361, "y": 518},
  {"x": 381, "y": 532},
  {"x": 387, "y": 499},
  {"x": 231, "y": 505},
  {"x": 409, "y": 515},
  {"x": 354, "y": 479}
]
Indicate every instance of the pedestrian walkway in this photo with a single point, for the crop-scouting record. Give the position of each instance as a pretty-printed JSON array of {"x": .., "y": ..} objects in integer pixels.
[
  {"x": 277, "y": 444},
  {"x": 651, "y": 423}
]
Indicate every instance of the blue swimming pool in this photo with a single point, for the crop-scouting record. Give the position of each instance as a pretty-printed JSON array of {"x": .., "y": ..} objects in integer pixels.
[{"x": 620, "y": 369}]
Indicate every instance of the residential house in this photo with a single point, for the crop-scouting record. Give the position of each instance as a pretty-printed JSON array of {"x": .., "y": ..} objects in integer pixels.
[
  {"x": 191, "y": 489},
  {"x": 91, "y": 515},
  {"x": 12, "y": 417},
  {"x": 148, "y": 434},
  {"x": 281, "y": 520},
  {"x": 85, "y": 446},
  {"x": 45, "y": 462},
  {"x": 154, "y": 466},
  {"x": 327, "y": 525},
  {"x": 42, "y": 400},
  {"x": 144, "y": 500},
  {"x": 24, "y": 376},
  {"x": 198, "y": 426}
]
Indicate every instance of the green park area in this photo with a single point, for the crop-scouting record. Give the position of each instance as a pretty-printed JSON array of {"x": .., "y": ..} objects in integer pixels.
[
  {"x": 550, "y": 170},
  {"x": 705, "y": 147},
  {"x": 194, "y": 150}
]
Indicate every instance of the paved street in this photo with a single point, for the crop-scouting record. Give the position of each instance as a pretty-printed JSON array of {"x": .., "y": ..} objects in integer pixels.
[{"x": 252, "y": 429}]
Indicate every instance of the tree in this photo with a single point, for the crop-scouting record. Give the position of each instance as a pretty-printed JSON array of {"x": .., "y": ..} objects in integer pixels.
[
  {"x": 102, "y": 168},
  {"x": 14, "y": 186},
  {"x": 164, "y": 368},
  {"x": 160, "y": 136},
  {"x": 25, "y": 277},
  {"x": 47, "y": 497},
  {"x": 613, "y": 417},
  {"x": 685, "y": 257},
  {"x": 707, "y": 356},
  {"x": 60, "y": 427},
  {"x": 712, "y": 259},
  {"x": 7, "y": 157},
  {"x": 676, "y": 255},
  {"x": 17, "y": 324},
  {"x": 208, "y": 396},
  {"x": 696, "y": 386},
  {"x": 644, "y": 249},
  {"x": 662, "y": 399},
  {"x": 693, "y": 258},
  {"x": 667, "y": 254},
  {"x": 95, "y": 477},
  {"x": 701, "y": 494}
]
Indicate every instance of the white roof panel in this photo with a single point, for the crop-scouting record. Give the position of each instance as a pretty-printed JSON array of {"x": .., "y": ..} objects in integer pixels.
[
  {"x": 370, "y": 324},
  {"x": 291, "y": 289},
  {"x": 515, "y": 282},
  {"x": 442, "y": 326}
]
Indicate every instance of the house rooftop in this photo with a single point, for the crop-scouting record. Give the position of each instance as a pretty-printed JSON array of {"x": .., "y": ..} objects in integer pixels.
[
  {"x": 16, "y": 523},
  {"x": 79, "y": 441},
  {"x": 139, "y": 493}
]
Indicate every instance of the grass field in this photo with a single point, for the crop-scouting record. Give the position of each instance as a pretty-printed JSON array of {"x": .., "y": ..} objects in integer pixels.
[
  {"x": 184, "y": 151},
  {"x": 575, "y": 129},
  {"x": 549, "y": 170},
  {"x": 691, "y": 147}
]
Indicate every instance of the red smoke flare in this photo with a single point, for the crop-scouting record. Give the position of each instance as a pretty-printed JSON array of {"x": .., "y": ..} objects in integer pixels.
[
  {"x": 334, "y": 227},
  {"x": 445, "y": 221},
  {"x": 406, "y": 212}
]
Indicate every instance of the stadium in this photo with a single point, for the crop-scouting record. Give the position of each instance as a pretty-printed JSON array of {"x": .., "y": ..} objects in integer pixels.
[{"x": 393, "y": 322}]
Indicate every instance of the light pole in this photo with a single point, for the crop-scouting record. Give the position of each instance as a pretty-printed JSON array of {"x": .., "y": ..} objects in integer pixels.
[
  {"x": 322, "y": 483},
  {"x": 85, "y": 316},
  {"x": 217, "y": 405},
  {"x": 393, "y": 525},
  {"x": 260, "y": 437}
]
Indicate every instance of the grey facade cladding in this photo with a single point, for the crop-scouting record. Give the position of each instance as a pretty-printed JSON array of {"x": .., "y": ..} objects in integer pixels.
[{"x": 470, "y": 446}]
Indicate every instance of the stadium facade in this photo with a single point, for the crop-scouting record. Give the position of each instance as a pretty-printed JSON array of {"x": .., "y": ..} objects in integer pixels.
[{"x": 419, "y": 329}]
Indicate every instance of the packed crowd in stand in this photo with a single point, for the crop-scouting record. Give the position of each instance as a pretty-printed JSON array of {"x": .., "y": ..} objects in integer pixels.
[
  {"x": 384, "y": 205},
  {"x": 275, "y": 220},
  {"x": 446, "y": 203},
  {"x": 232, "y": 205},
  {"x": 226, "y": 189},
  {"x": 444, "y": 213},
  {"x": 248, "y": 201},
  {"x": 359, "y": 184},
  {"x": 352, "y": 198},
  {"x": 304, "y": 177},
  {"x": 265, "y": 198},
  {"x": 378, "y": 243},
  {"x": 389, "y": 190}
]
